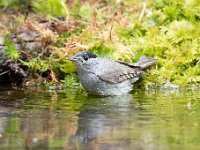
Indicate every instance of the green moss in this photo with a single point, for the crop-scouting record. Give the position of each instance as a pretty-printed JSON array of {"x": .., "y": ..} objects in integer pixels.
[
  {"x": 14, "y": 4},
  {"x": 50, "y": 7},
  {"x": 62, "y": 38},
  {"x": 70, "y": 80},
  {"x": 168, "y": 31},
  {"x": 10, "y": 50},
  {"x": 101, "y": 49},
  {"x": 173, "y": 39}
]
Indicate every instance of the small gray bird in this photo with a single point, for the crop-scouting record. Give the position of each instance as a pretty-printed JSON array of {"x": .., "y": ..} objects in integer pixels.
[{"x": 101, "y": 76}]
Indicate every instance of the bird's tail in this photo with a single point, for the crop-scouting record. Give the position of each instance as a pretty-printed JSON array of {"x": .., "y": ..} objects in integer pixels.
[{"x": 145, "y": 62}]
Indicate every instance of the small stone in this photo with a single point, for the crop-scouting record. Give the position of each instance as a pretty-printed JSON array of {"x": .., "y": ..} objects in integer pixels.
[
  {"x": 35, "y": 140},
  {"x": 27, "y": 36}
]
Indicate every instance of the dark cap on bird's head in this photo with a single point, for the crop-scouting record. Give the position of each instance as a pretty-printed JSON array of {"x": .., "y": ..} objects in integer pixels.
[{"x": 83, "y": 55}]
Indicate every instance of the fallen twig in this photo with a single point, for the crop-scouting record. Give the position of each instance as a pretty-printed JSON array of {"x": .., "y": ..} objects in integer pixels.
[
  {"x": 4, "y": 72},
  {"x": 143, "y": 11}
]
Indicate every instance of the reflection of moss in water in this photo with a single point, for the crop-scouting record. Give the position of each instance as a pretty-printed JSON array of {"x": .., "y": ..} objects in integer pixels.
[
  {"x": 11, "y": 137},
  {"x": 176, "y": 116},
  {"x": 157, "y": 118},
  {"x": 69, "y": 101}
]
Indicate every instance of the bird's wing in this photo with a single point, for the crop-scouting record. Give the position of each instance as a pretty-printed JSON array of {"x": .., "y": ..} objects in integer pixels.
[
  {"x": 142, "y": 63},
  {"x": 114, "y": 72}
]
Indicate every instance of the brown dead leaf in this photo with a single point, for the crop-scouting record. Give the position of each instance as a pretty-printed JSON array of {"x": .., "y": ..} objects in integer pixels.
[
  {"x": 53, "y": 77},
  {"x": 61, "y": 27}
]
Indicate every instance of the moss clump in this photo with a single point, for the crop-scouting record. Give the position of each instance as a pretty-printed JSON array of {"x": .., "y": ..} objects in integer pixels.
[
  {"x": 127, "y": 30},
  {"x": 10, "y": 50},
  {"x": 173, "y": 38},
  {"x": 50, "y": 7}
]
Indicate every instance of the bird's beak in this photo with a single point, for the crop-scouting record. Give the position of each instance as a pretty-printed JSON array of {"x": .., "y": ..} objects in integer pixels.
[{"x": 71, "y": 59}]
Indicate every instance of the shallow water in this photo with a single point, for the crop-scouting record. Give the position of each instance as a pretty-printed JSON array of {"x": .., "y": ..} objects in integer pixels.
[{"x": 152, "y": 119}]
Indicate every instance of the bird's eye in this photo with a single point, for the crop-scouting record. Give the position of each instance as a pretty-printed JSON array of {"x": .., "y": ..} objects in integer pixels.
[{"x": 85, "y": 57}]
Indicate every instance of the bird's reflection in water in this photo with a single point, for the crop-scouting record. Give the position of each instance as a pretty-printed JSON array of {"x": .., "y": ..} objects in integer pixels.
[
  {"x": 89, "y": 127},
  {"x": 98, "y": 120}
]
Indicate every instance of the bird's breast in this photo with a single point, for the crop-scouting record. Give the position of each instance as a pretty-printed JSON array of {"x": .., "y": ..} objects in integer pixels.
[{"x": 94, "y": 85}]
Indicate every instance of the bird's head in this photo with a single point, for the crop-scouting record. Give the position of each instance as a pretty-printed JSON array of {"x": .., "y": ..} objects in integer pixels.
[{"x": 82, "y": 57}]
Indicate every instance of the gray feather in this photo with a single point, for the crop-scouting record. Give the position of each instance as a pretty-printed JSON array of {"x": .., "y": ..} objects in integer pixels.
[
  {"x": 142, "y": 63},
  {"x": 111, "y": 71},
  {"x": 145, "y": 62}
]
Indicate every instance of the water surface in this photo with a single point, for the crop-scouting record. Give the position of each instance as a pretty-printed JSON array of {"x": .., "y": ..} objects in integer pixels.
[{"x": 151, "y": 119}]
